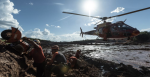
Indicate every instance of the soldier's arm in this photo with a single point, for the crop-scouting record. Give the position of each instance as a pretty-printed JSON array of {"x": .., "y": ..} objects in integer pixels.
[
  {"x": 32, "y": 42},
  {"x": 51, "y": 61}
]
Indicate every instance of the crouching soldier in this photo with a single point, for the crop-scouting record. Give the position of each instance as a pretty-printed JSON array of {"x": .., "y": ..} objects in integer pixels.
[
  {"x": 74, "y": 60},
  {"x": 58, "y": 63}
]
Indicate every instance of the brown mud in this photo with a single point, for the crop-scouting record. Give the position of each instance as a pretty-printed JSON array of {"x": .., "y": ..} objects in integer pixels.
[{"x": 12, "y": 64}]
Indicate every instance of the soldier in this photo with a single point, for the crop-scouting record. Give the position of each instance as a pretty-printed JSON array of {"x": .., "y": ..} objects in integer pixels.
[
  {"x": 74, "y": 59},
  {"x": 58, "y": 63},
  {"x": 38, "y": 56}
]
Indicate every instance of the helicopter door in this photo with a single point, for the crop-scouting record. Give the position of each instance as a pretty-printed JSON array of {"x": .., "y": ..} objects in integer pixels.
[{"x": 114, "y": 31}]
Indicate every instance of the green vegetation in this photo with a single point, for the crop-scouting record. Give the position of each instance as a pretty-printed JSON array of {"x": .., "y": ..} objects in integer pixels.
[{"x": 142, "y": 37}]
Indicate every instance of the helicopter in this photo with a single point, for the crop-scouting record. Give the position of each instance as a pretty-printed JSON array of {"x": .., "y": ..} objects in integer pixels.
[{"x": 108, "y": 30}]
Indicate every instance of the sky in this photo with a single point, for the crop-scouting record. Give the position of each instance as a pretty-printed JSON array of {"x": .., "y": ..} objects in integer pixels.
[{"x": 44, "y": 19}]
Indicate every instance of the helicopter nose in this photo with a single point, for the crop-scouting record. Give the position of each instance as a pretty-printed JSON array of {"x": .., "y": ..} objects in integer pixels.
[{"x": 135, "y": 33}]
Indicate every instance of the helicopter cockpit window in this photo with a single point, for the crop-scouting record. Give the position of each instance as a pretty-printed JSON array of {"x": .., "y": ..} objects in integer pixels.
[
  {"x": 119, "y": 25},
  {"x": 124, "y": 26},
  {"x": 114, "y": 28},
  {"x": 100, "y": 30}
]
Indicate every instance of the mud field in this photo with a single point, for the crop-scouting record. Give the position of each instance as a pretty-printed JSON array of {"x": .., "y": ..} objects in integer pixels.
[
  {"x": 98, "y": 61},
  {"x": 135, "y": 55}
]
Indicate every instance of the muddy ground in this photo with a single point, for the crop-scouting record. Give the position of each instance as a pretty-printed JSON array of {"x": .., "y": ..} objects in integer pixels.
[
  {"x": 13, "y": 64},
  {"x": 135, "y": 55}
]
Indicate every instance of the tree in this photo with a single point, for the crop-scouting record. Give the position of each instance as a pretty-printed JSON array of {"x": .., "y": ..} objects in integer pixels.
[{"x": 142, "y": 37}]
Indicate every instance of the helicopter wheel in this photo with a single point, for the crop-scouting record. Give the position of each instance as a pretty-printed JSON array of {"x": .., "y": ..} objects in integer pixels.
[{"x": 6, "y": 34}]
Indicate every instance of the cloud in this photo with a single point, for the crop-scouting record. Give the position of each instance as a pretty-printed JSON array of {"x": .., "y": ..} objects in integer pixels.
[
  {"x": 98, "y": 21},
  {"x": 111, "y": 19},
  {"x": 148, "y": 29},
  {"x": 93, "y": 21},
  {"x": 75, "y": 36},
  {"x": 117, "y": 10},
  {"x": 46, "y": 35},
  {"x": 46, "y": 32},
  {"x": 16, "y": 11},
  {"x": 6, "y": 18},
  {"x": 37, "y": 33},
  {"x": 71, "y": 37},
  {"x": 52, "y": 26},
  {"x": 47, "y": 25},
  {"x": 31, "y": 3},
  {"x": 59, "y": 3},
  {"x": 57, "y": 27}
]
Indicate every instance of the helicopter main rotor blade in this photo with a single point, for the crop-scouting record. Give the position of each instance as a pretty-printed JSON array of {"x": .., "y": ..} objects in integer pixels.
[
  {"x": 97, "y": 22},
  {"x": 105, "y": 18},
  {"x": 82, "y": 15},
  {"x": 130, "y": 12}
]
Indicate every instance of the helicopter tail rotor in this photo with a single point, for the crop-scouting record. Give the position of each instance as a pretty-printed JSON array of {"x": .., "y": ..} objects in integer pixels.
[{"x": 81, "y": 32}]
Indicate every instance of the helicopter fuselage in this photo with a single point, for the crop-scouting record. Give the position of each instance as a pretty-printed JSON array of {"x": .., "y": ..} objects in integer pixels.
[{"x": 116, "y": 30}]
